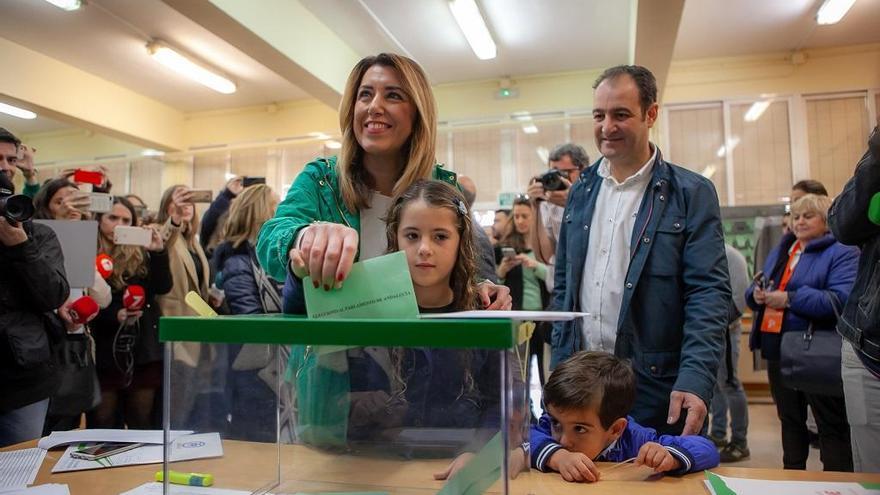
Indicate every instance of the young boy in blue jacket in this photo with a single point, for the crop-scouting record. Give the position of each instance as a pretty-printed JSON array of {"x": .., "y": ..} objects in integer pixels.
[{"x": 587, "y": 398}]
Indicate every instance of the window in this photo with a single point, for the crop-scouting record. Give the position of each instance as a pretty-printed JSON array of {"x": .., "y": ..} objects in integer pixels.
[
  {"x": 762, "y": 155},
  {"x": 696, "y": 142},
  {"x": 837, "y": 128}
]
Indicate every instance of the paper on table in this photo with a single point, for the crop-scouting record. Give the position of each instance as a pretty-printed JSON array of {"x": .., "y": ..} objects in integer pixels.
[
  {"x": 725, "y": 485},
  {"x": 198, "y": 446},
  {"x": 57, "y": 438},
  {"x": 513, "y": 315},
  {"x": 376, "y": 288},
  {"x": 47, "y": 489},
  {"x": 479, "y": 473},
  {"x": 154, "y": 488},
  {"x": 18, "y": 468}
]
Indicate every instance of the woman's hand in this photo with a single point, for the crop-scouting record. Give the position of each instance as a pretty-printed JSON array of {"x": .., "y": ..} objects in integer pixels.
[
  {"x": 156, "y": 242},
  {"x": 77, "y": 202},
  {"x": 527, "y": 261},
  {"x": 777, "y": 299},
  {"x": 64, "y": 312},
  {"x": 180, "y": 198},
  {"x": 506, "y": 265},
  {"x": 326, "y": 253},
  {"x": 760, "y": 296},
  {"x": 502, "y": 300},
  {"x": 128, "y": 315}
]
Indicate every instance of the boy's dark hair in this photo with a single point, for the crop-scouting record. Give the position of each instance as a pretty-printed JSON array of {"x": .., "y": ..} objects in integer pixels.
[
  {"x": 810, "y": 186},
  {"x": 589, "y": 379},
  {"x": 8, "y": 137},
  {"x": 644, "y": 79}
]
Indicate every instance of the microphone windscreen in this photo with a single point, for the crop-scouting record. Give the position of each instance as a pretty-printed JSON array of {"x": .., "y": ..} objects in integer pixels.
[
  {"x": 104, "y": 265},
  {"x": 83, "y": 309},
  {"x": 134, "y": 298}
]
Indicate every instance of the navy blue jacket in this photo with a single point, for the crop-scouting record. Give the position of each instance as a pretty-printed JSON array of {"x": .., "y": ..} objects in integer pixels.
[
  {"x": 825, "y": 266},
  {"x": 848, "y": 219},
  {"x": 675, "y": 304},
  {"x": 693, "y": 452},
  {"x": 235, "y": 277}
]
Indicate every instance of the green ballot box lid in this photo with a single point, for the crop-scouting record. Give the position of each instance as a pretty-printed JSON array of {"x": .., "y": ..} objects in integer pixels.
[{"x": 290, "y": 329}]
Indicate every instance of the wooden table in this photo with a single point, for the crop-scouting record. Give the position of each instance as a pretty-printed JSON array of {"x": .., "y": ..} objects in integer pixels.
[{"x": 247, "y": 465}]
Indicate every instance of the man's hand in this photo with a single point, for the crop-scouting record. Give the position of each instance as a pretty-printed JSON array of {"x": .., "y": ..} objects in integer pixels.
[
  {"x": 501, "y": 300},
  {"x": 656, "y": 456},
  {"x": 25, "y": 163},
  {"x": 696, "y": 411},
  {"x": 559, "y": 198},
  {"x": 536, "y": 191},
  {"x": 573, "y": 466},
  {"x": 11, "y": 236}
]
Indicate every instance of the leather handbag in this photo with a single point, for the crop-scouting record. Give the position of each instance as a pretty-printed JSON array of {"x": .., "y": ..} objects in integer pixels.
[
  {"x": 810, "y": 361},
  {"x": 79, "y": 390}
]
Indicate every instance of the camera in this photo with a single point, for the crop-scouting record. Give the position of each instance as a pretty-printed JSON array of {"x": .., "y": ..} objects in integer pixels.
[
  {"x": 15, "y": 208},
  {"x": 552, "y": 180}
]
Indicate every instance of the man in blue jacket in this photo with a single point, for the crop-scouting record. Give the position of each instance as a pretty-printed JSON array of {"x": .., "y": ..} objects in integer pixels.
[
  {"x": 587, "y": 398},
  {"x": 641, "y": 250}
]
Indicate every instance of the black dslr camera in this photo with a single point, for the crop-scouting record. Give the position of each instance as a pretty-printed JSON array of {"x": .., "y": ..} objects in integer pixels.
[
  {"x": 15, "y": 208},
  {"x": 552, "y": 180}
]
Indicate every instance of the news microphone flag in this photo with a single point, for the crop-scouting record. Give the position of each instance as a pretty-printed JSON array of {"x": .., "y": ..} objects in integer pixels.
[
  {"x": 83, "y": 309},
  {"x": 134, "y": 298},
  {"x": 104, "y": 265}
]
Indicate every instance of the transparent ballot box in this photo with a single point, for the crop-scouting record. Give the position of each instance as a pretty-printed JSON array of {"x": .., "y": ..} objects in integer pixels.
[{"x": 287, "y": 405}]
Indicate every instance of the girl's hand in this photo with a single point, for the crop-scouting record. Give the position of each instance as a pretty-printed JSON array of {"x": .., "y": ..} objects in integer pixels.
[
  {"x": 777, "y": 299},
  {"x": 156, "y": 242},
  {"x": 124, "y": 314},
  {"x": 506, "y": 265},
  {"x": 527, "y": 261},
  {"x": 502, "y": 300},
  {"x": 326, "y": 253},
  {"x": 656, "y": 456},
  {"x": 179, "y": 200},
  {"x": 454, "y": 466}
]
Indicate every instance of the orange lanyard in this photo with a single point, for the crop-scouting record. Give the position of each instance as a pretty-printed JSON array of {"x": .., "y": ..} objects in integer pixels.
[{"x": 789, "y": 267}]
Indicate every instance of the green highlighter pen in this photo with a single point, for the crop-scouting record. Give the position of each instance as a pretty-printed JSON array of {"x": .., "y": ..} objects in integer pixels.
[{"x": 191, "y": 479}]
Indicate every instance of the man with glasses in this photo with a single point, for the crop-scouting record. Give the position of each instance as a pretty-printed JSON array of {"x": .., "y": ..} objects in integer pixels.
[{"x": 567, "y": 159}]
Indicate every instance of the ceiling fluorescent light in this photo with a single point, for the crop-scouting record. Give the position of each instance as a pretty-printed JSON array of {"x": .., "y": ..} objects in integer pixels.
[
  {"x": 756, "y": 110},
  {"x": 530, "y": 129},
  {"x": 332, "y": 144},
  {"x": 186, "y": 67},
  {"x": 66, "y": 4},
  {"x": 832, "y": 11},
  {"x": 17, "y": 112},
  {"x": 468, "y": 17}
]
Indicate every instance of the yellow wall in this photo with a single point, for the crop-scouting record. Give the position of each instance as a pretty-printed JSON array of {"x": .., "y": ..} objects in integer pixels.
[
  {"x": 826, "y": 70},
  {"x": 76, "y": 144}
]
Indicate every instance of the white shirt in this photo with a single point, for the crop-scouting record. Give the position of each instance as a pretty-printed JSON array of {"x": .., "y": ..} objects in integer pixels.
[
  {"x": 551, "y": 215},
  {"x": 608, "y": 253},
  {"x": 373, "y": 241}
]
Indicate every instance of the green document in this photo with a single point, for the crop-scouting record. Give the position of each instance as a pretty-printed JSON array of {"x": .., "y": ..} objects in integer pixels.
[{"x": 376, "y": 288}]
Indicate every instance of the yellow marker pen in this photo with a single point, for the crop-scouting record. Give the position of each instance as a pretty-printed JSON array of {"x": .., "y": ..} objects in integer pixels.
[{"x": 191, "y": 479}]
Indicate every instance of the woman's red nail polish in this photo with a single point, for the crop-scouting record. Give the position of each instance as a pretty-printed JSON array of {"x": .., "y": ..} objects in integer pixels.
[
  {"x": 340, "y": 277},
  {"x": 315, "y": 283}
]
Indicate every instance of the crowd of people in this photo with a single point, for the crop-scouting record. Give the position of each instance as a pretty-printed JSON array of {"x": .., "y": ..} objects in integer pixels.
[{"x": 633, "y": 240}]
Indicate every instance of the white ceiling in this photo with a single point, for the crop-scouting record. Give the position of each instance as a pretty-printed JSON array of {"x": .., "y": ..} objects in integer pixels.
[
  {"x": 108, "y": 38},
  {"x": 722, "y": 28},
  {"x": 532, "y": 37}
]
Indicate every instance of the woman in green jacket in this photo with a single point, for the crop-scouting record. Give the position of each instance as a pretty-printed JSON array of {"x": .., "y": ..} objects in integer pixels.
[{"x": 332, "y": 214}]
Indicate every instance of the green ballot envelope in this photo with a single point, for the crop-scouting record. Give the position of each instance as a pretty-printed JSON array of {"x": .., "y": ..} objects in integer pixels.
[{"x": 376, "y": 288}]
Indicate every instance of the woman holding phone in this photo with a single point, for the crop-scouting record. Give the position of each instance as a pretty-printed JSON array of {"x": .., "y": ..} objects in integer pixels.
[
  {"x": 128, "y": 353},
  {"x": 332, "y": 214},
  {"x": 60, "y": 199}
]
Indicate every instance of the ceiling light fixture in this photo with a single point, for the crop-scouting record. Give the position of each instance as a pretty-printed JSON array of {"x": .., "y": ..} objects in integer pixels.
[
  {"x": 17, "y": 112},
  {"x": 333, "y": 144},
  {"x": 472, "y": 24},
  {"x": 175, "y": 61},
  {"x": 832, "y": 11},
  {"x": 756, "y": 110},
  {"x": 66, "y": 4}
]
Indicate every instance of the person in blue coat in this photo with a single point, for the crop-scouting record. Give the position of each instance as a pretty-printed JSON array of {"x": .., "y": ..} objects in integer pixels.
[
  {"x": 805, "y": 282},
  {"x": 587, "y": 399}
]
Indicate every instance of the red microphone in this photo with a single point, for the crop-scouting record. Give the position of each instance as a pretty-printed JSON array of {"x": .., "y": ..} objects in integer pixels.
[
  {"x": 134, "y": 298},
  {"x": 104, "y": 264},
  {"x": 83, "y": 310}
]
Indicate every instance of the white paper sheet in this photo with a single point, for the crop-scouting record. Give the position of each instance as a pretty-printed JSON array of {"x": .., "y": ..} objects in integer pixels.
[
  {"x": 47, "y": 489},
  {"x": 199, "y": 446},
  {"x": 18, "y": 468},
  {"x": 513, "y": 315},
  {"x": 744, "y": 486},
  {"x": 155, "y": 488},
  {"x": 57, "y": 438}
]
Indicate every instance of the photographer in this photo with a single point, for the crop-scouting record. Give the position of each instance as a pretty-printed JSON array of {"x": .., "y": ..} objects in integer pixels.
[
  {"x": 855, "y": 219},
  {"x": 32, "y": 284},
  {"x": 549, "y": 192}
]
